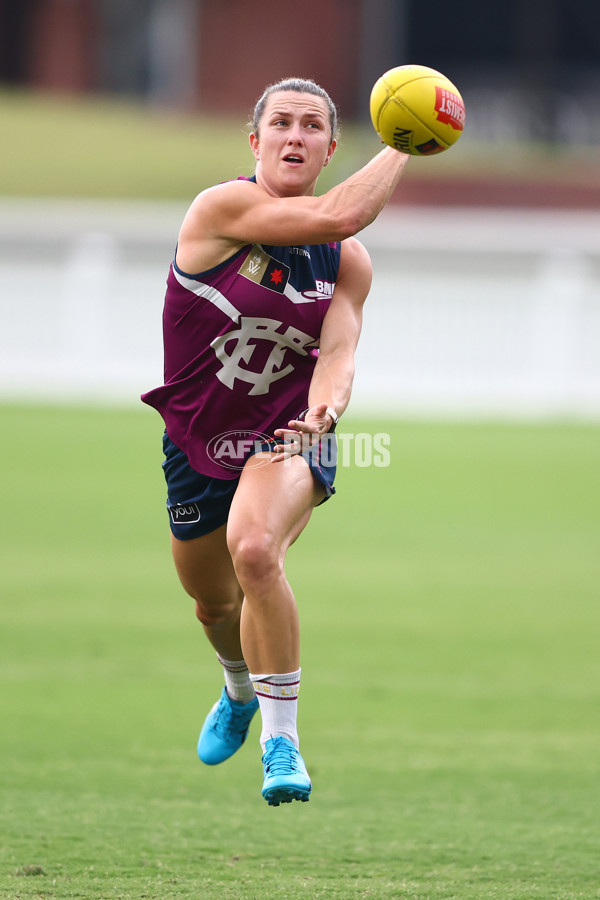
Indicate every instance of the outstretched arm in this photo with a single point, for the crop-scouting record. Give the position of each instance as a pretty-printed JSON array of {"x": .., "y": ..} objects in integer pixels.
[
  {"x": 228, "y": 216},
  {"x": 340, "y": 213}
]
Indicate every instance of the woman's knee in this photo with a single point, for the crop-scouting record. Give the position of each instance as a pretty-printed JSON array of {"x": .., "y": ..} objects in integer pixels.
[
  {"x": 216, "y": 611},
  {"x": 256, "y": 558}
]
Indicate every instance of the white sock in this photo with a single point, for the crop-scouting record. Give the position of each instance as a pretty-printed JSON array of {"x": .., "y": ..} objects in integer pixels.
[
  {"x": 237, "y": 680},
  {"x": 278, "y": 701}
]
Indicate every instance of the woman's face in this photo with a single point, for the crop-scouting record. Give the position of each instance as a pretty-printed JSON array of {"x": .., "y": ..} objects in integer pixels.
[{"x": 293, "y": 144}]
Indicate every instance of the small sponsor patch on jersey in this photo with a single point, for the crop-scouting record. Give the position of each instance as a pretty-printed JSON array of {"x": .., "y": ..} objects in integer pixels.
[
  {"x": 184, "y": 513},
  {"x": 323, "y": 290},
  {"x": 262, "y": 269}
]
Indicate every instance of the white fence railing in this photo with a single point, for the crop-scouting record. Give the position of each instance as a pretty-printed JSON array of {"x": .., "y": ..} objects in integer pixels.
[{"x": 489, "y": 312}]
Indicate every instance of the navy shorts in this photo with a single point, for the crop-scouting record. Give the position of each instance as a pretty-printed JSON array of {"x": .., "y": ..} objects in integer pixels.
[{"x": 198, "y": 504}]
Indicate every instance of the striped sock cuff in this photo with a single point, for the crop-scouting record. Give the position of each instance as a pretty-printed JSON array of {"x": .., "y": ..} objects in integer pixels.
[
  {"x": 237, "y": 665},
  {"x": 237, "y": 680},
  {"x": 277, "y": 687}
]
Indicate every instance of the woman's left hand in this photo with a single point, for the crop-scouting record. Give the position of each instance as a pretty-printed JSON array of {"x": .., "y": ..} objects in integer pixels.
[{"x": 301, "y": 435}]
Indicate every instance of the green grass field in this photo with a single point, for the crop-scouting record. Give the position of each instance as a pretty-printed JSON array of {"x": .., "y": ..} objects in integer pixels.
[{"x": 449, "y": 706}]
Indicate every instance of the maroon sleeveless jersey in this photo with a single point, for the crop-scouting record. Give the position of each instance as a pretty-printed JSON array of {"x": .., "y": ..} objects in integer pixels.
[{"x": 241, "y": 342}]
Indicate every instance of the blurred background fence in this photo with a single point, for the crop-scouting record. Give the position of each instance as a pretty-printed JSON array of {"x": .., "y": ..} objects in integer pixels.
[{"x": 486, "y": 298}]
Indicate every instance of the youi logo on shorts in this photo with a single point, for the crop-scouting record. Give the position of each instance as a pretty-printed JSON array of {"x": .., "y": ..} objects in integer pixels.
[
  {"x": 184, "y": 513},
  {"x": 231, "y": 449}
]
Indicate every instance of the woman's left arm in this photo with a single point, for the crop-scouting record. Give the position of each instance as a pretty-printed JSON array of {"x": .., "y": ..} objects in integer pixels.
[{"x": 331, "y": 384}]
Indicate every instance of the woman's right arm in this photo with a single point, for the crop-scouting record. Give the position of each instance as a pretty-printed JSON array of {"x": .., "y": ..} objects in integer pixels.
[{"x": 226, "y": 217}]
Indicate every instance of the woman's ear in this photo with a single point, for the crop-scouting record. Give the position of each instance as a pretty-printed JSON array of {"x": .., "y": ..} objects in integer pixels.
[{"x": 330, "y": 152}]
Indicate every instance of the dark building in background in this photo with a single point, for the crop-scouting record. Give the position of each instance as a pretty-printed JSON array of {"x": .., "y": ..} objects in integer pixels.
[
  {"x": 212, "y": 54},
  {"x": 15, "y": 35},
  {"x": 217, "y": 55}
]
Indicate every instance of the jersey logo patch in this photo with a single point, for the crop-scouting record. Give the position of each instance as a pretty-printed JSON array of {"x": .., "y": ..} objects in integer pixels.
[
  {"x": 262, "y": 269},
  {"x": 236, "y": 349}
]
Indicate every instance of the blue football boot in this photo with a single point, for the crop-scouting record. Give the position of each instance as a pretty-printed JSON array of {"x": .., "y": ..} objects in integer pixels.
[
  {"x": 225, "y": 729},
  {"x": 286, "y": 778}
]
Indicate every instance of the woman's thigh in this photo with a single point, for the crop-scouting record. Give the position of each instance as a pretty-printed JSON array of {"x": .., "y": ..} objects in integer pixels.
[{"x": 273, "y": 500}]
